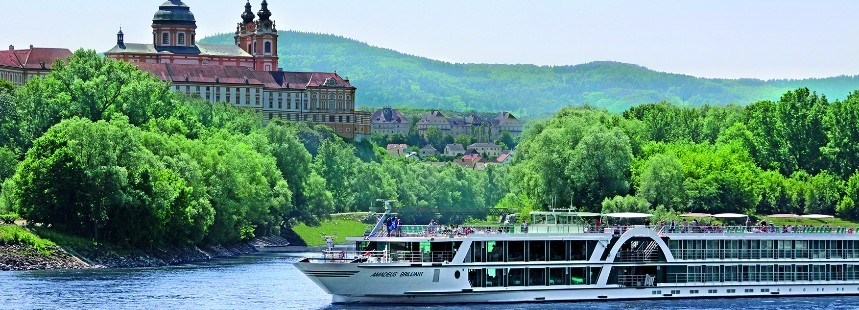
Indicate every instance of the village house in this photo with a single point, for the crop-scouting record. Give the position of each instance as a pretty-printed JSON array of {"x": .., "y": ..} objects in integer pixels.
[
  {"x": 454, "y": 150},
  {"x": 389, "y": 121},
  {"x": 485, "y": 149},
  {"x": 397, "y": 150},
  {"x": 428, "y": 151}
]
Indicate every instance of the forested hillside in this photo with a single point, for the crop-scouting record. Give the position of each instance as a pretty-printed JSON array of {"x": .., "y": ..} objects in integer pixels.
[{"x": 387, "y": 77}]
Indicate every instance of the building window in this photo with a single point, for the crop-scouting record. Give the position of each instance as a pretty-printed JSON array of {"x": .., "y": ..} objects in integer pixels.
[
  {"x": 181, "y": 39},
  {"x": 268, "y": 47},
  {"x": 165, "y": 39}
]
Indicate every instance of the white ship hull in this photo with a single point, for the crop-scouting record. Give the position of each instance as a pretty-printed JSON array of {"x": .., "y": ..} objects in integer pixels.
[{"x": 348, "y": 283}]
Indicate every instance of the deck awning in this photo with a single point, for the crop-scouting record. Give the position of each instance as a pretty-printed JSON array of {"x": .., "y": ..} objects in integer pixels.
[
  {"x": 816, "y": 216},
  {"x": 628, "y": 215},
  {"x": 729, "y": 215},
  {"x": 783, "y": 216}
]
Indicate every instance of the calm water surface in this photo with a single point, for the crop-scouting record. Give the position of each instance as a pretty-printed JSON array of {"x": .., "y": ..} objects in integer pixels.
[{"x": 270, "y": 281}]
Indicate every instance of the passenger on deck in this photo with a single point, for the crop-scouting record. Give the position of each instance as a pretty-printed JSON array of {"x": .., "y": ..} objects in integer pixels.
[
  {"x": 525, "y": 226},
  {"x": 673, "y": 226},
  {"x": 685, "y": 227}
]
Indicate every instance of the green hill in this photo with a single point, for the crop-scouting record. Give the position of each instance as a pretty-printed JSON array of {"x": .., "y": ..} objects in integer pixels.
[{"x": 388, "y": 77}]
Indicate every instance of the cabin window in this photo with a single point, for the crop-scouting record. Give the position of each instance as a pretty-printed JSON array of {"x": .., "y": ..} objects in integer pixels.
[
  {"x": 516, "y": 277},
  {"x": 557, "y": 250},
  {"x": 494, "y": 277},
  {"x": 578, "y": 275},
  {"x": 536, "y": 251},
  {"x": 494, "y": 251},
  {"x": 475, "y": 277},
  {"x": 515, "y": 251},
  {"x": 537, "y": 276},
  {"x": 557, "y": 276}
]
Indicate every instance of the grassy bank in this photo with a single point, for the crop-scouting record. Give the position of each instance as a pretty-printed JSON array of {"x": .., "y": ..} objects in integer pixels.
[
  {"x": 17, "y": 235},
  {"x": 340, "y": 225}
]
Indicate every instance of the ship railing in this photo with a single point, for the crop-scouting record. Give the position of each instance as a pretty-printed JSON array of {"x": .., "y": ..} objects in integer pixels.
[
  {"x": 703, "y": 254},
  {"x": 636, "y": 280},
  {"x": 752, "y": 229},
  {"x": 334, "y": 256},
  {"x": 637, "y": 256}
]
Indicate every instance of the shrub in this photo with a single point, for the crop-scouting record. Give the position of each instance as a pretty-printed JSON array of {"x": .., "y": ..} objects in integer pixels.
[{"x": 9, "y": 218}]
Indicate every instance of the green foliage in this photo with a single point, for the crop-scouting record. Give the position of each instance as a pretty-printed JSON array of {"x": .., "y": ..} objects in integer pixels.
[
  {"x": 625, "y": 204},
  {"x": 662, "y": 181},
  {"x": 17, "y": 235},
  {"x": 387, "y": 77},
  {"x": 339, "y": 227}
]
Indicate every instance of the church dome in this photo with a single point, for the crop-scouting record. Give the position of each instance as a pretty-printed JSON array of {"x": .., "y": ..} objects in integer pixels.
[{"x": 174, "y": 12}]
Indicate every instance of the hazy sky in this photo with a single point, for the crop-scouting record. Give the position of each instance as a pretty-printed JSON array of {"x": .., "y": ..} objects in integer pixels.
[{"x": 716, "y": 38}]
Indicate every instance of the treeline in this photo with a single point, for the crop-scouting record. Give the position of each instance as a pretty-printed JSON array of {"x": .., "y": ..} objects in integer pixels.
[
  {"x": 387, "y": 77},
  {"x": 102, "y": 150},
  {"x": 799, "y": 154}
]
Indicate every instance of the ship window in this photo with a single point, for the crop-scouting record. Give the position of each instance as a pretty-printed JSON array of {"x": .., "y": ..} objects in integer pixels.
[
  {"x": 435, "y": 275},
  {"x": 675, "y": 292},
  {"x": 578, "y": 251},
  {"x": 536, "y": 251},
  {"x": 494, "y": 251},
  {"x": 557, "y": 250},
  {"x": 750, "y": 290},
  {"x": 712, "y": 291},
  {"x": 765, "y": 290},
  {"x": 516, "y": 277},
  {"x": 457, "y": 274},
  {"x": 494, "y": 277},
  {"x": 475, "y": 277},
  {"x": 557, "y": 276},
  {"x": 537, "y": 276},
  {"x": 515, "y": 251},
  {"x": 693, "y": 291},
  {"x": 577, "y": 275}
]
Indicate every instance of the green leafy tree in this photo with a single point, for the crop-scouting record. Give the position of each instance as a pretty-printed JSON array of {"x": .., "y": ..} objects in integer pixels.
[
  {"x": 600, "y": 166},
  {"x": 662, "y": 181}
]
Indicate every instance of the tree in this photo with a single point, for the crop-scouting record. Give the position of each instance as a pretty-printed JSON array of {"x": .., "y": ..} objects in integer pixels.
[
  {"x": 842, "y": 149},
  {"x": 600, "y": 166},
  {"x": 337, "y": 164},
  {"x": 662, "y": 181},
  {"x": 625, "y": 204},
  {"x": 506, "y": 140}
]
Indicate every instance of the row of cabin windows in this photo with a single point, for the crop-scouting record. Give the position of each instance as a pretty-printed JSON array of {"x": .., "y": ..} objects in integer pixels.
[
  {"x": 511, "y": 277},
  {"x": 762, "y": 272},
  {"x": 762, "y": 249},
  {"x": 532, "y": 251}
]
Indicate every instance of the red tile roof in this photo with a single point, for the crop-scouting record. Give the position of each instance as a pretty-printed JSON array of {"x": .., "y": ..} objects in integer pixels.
[
  {"x": 34, "y": 58},
  {"x": 177, "y": 73},
  {"x": 502, "y": 157}
]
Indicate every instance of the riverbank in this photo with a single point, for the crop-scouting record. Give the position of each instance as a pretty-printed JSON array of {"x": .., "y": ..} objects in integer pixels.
[{"x": 22, "y": 249}]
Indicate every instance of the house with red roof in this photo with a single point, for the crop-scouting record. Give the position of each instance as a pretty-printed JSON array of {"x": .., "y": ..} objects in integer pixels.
[
  {"x": 397, "y": 150},
  {"x": 19, "y": 66}
]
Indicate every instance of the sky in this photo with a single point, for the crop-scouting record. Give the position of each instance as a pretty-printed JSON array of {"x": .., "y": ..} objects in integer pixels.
[{"x": 718, "y": 38}]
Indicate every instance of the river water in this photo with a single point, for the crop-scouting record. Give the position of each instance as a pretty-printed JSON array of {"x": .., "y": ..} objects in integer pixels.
[{"x": 269, "y": 281}]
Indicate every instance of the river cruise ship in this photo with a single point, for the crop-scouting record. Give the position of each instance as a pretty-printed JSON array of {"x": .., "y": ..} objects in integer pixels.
[{"x": 557, "y": 260}]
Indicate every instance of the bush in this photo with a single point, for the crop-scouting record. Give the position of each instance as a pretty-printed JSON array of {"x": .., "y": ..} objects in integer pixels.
[
  {"x": 9, "y": 218},
  {"x": 16, "y": 235}
]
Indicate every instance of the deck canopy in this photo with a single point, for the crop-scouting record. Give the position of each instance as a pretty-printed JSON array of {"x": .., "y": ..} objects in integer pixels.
[
  {"x": 729, "y": 215},
  {"x": 783, "y": 216},
  {"x": 628, "y": 215},
  {"x": 816, "y": 216}
]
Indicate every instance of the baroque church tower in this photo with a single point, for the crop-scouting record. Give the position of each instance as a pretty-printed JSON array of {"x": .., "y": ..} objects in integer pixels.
[{"x": 258, "y": 37}]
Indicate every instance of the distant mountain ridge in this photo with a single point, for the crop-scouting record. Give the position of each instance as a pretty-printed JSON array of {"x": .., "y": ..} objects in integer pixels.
[{"x": 387, "y": 77}]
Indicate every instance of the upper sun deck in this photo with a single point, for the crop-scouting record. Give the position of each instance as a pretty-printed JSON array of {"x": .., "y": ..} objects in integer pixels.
[{"x": 416, "y": 233}]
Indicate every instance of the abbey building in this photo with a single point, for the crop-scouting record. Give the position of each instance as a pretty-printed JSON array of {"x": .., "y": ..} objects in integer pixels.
[{"x": 245, "y": 74}]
